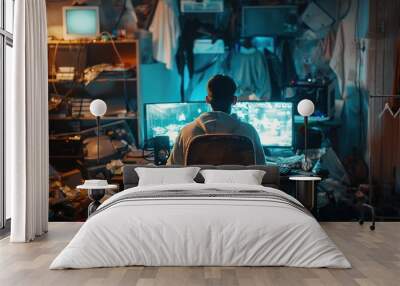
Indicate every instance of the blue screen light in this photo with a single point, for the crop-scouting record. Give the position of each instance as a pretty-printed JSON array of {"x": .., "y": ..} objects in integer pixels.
[
  {"x": 272, "y": 120},
  {"x": 167, "y": 119}
]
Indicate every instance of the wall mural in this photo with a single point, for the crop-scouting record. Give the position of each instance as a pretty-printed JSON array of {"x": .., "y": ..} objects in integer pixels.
[{"x": 286, "y": 61}]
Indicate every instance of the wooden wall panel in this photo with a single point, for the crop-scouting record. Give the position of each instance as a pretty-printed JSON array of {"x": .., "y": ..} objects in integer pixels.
[{"x": 384, "y": 132}]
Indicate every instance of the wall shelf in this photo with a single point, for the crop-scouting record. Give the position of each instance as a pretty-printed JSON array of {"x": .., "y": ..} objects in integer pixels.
[
  {"x": 91, "y": 42},
  {"x": 80, "y": 81},
  {"x": 70, "y": 118}
]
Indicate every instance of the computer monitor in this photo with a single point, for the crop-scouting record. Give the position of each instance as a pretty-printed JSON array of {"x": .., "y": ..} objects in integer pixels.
[
  {"x": 81, "y": 22},
  {"x": 167, "y": 119},
  {"x": 272, "y": 120}
]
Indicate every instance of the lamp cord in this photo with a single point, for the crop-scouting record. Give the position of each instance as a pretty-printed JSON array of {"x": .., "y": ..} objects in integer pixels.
[
  {"x": 98, "y": 138},
  {"x": 305, "y": 137}
]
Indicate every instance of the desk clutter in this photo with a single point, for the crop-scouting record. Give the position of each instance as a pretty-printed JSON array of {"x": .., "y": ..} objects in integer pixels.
[
  {"x": 338, "y": 190},
  {"x": 81, "y": 70},
  {"x": 73, "y": 158}
]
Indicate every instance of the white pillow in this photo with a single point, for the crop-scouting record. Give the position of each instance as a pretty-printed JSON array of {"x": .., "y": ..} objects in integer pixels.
[
  {"x": 248, "y": 177},
  {"x": 166, "y": 176}
]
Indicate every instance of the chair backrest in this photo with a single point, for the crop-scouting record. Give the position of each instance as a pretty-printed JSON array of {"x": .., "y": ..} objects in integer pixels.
[{"x": 220, "y": 149}]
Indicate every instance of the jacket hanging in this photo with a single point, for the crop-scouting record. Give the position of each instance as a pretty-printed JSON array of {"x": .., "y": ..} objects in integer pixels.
[{"x": 166, "y": 31}]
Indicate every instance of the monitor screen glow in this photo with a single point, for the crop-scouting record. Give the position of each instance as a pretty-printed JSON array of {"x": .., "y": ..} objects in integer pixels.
[
  {"x": 272, "y": 120},
  {"x": 167, "y": 119},
  {"x": 81, "y": 22}
]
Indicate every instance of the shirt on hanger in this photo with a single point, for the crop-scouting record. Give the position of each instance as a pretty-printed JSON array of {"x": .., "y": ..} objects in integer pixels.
[
  {"x": 250, "y": 71},
  {"x": 166, "y": 31}
]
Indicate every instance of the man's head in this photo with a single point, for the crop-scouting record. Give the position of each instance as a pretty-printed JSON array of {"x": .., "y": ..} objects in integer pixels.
[{"x": 221, "y": 93}]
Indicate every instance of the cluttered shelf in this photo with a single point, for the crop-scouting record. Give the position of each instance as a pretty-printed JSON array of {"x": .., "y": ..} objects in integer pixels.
[
  {"x": 80, "y": 71},
  {"x": 53, "y": 80},
  {"x": 65, "y": 157},
  {"x": 122, "y": 117},
  {"x": 91, "y": 42}
]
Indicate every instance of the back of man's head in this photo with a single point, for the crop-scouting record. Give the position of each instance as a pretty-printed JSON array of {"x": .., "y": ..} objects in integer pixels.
[{"x": 221, "y": 93}]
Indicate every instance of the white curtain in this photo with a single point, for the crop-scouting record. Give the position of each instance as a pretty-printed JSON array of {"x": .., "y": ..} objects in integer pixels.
[{"x": 27, "y": 168}]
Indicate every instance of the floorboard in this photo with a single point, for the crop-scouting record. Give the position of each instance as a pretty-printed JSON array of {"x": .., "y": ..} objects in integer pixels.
[{"x": 375, "y": 257}]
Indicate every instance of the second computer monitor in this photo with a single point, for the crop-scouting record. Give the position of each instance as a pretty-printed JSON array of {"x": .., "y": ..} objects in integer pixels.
[{"x": 272, "y": 120}]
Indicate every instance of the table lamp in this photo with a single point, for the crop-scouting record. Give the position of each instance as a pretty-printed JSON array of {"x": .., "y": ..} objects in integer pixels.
[
  {"x": 305, "y": 109},
  {"x": 98, "y": 108}
]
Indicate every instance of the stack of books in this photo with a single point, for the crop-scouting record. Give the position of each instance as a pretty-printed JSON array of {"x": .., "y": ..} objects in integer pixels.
[
  {"x": 80, "y": 107},
  {"x": 65, "y": 73}
]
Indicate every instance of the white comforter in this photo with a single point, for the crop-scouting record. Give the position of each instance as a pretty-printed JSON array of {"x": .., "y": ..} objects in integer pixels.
[{"x": 206, "y": 231}]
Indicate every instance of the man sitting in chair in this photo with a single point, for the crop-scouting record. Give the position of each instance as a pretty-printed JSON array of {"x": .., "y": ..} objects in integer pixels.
[{"x": 221, "y": 96}]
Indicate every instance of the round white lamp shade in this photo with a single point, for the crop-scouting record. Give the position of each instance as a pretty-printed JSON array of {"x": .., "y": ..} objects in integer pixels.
[
  {"x": 305, "y": 107},
  {"x": 98, "y": 107}
]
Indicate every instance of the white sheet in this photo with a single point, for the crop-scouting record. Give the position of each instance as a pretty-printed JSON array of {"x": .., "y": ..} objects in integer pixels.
[{"x": 219, "y": 232}]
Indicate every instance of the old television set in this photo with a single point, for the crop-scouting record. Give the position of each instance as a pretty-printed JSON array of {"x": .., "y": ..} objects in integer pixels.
[
  {"x": 81, "y": 22},
  {"x": 272, "y": 120}
]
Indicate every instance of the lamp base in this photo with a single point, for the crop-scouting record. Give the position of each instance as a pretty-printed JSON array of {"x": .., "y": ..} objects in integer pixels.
[{"x": 95, "y": 195}]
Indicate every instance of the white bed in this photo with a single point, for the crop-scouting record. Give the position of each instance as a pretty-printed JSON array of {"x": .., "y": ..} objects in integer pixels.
[{"x": 185, "y": 230}]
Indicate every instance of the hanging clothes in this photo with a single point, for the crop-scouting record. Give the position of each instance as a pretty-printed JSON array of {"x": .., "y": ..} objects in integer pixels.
[
  {"x": 185, "y": 55},
  {"x": 192, "y": 29},
  {"x": 337, "y": 62},
  {"x": 328, "y": 44},
  {"x": 289, "y": 68},
  {"x": 275, "y": 72},
  {"x": 206, "y": 67},
  {"x": 345, "y": 54},
  {"x": 166, "y": 31},
  {"x": 249, "y": 69},
  {"x": 144, "y": 10}
]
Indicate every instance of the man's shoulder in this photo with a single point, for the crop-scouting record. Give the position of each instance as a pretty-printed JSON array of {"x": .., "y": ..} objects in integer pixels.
[
  {"x": 189, "y": 126},
  {"x": 190, "y": 129},
  {"x": 247, "y": 126}
]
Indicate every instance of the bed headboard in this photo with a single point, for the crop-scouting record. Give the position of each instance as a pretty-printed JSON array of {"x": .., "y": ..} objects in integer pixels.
[{"x": 270, "y": 179}]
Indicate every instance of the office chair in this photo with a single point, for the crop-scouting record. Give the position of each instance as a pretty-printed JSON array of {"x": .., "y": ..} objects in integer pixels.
[{"x": 220, "y": 149}]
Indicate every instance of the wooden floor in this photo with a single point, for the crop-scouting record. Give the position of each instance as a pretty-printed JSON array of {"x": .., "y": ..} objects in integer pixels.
[{"x": 375, "y": 257}]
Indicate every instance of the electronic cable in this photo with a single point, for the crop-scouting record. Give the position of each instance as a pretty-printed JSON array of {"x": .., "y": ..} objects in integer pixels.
[
  {"x": 113, "y": 45},
  {"x": 53, "y": 67},
  {"x": 123, "y": 72}
]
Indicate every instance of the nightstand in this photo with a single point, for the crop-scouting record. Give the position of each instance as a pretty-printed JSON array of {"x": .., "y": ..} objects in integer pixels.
[
  {"x": 96, "y": 191},
  {"x": 305, "y": 190}
]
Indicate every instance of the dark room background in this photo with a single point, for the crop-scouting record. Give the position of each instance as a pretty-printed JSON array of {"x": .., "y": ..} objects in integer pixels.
[{"x": 345, "y": 65}]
